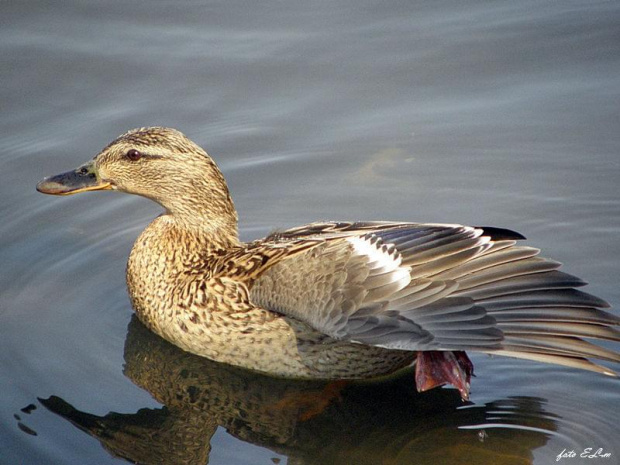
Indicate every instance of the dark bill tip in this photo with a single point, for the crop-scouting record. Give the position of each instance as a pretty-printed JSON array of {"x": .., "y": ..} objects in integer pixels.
[{"x": 82, "y": 179}]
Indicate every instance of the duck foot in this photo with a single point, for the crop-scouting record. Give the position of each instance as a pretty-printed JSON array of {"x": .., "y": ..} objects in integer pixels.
[
  {"x": 436, "y": 368},
  {"x": 311, "y": 404}
]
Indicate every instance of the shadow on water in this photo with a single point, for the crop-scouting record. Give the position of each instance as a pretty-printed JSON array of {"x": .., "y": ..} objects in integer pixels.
[{"x": 311, "y": 422}]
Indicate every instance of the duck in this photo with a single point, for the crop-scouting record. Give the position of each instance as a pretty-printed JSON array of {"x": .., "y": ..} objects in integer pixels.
[{"x": 334, "y": 300}]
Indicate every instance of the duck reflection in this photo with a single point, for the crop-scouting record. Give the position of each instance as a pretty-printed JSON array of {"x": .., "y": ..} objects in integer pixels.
[{"x": 311, "y": 422}]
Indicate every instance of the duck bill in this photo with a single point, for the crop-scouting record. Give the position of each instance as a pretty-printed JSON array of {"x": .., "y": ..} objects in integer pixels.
[{"x": 84, "y": 178}]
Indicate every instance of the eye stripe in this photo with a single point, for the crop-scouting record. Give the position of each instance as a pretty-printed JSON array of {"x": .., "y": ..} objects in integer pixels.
[
  {"x": 152, "y": 156},
  {"x": 135, "y": 155}
]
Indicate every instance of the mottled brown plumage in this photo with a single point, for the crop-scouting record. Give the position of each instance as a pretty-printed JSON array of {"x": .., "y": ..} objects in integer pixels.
[{"x": 333, "y": 300}]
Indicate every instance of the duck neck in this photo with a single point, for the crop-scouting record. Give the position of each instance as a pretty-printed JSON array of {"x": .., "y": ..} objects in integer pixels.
[
  {"x": 205, "y": 216},
  {"x": 201, "y": 234},
  {"x": 161, "y": 257}
]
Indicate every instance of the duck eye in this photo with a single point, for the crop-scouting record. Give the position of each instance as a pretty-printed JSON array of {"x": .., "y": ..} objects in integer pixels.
[{"x": 134, "y": 155}]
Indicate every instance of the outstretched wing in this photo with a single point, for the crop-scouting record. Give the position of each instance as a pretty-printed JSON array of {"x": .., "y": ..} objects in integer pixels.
[{"x": 435, "y": 287}]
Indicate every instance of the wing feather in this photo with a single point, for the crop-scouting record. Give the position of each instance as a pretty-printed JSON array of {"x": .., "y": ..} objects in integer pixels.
[{"x": 411, "y": 286}]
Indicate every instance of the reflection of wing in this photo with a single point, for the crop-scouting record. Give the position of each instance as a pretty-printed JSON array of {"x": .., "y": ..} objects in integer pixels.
[{"x": 435, "y": 287}]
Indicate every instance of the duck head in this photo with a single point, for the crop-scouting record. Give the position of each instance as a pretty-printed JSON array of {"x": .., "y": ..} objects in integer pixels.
[{"x": 161, "y": 164}]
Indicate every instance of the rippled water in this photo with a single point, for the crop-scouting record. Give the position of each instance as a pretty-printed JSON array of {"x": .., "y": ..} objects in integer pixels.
[{"x": 496, "y": 113}]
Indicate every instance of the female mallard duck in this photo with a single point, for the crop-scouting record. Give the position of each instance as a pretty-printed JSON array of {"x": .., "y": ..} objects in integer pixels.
[{"x": 337, "y": 299}]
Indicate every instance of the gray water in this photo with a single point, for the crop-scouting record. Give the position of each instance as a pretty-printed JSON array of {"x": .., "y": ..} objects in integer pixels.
[{"x": 503, "y": 113}]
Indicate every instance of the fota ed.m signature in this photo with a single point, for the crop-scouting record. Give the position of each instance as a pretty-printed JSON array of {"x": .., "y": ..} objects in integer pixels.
[{"x": 587, "y": 453}]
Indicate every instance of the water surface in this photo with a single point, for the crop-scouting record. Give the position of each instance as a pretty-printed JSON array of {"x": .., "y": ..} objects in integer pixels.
[{"x": 497, "y": 113}]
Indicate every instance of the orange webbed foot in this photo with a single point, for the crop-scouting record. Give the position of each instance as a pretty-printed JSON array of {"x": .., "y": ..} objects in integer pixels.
[
  {"x": 311, "y": 404},
  {"x": 436, "y": 368}
]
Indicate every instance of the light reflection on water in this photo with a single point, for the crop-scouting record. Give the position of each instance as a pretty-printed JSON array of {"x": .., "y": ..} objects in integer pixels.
[{"x": 498, "y": 113}]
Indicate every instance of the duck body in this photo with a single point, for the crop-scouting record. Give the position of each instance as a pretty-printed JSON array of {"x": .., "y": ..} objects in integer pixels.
[
  {"x": 202, "y": 302},
  {"x": 334, "y": 300}
]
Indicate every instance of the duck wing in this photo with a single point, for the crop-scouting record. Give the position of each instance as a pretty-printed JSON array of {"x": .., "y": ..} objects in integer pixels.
[{"x": 426, "y": 287}]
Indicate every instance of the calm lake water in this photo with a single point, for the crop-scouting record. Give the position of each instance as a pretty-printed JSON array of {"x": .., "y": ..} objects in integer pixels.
[{"x": 502, "y": 113}]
